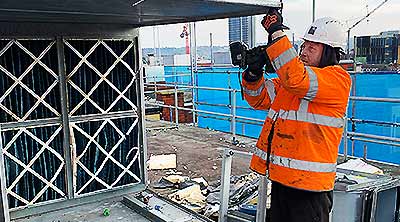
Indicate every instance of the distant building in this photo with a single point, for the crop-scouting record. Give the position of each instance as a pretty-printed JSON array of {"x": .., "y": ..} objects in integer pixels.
[
  {"x": 378, "y": 49},
  {"x": 222, "y": 58},
  {"x": 242, "y": 29},
  {"x": 168, "y": 60}
]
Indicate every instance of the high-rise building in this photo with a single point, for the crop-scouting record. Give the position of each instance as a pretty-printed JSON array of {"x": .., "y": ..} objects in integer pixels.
[
  {"x": 242, "y": 29},
  {"x": 378, "y": 49}
]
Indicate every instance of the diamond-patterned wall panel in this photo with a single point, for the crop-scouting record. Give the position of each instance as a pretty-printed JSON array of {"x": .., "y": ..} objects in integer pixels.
[
  {"x": 107, "y": 154},
  {"x": 101, "y": 76},
  {"x": 100, "y": 80},
  {"x": 28, "y": 80},
  {"x": 35, "y": 174}
]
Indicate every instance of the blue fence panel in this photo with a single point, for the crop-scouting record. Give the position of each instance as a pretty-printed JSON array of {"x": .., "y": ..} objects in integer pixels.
[
  {"x": 384, "y": 85},
  {"x": 208, "y": 78},
  {"x": 173, "y": 73}
]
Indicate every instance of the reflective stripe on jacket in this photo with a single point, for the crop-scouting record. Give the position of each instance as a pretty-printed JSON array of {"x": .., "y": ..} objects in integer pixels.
[{"x": 306, "y": 107}]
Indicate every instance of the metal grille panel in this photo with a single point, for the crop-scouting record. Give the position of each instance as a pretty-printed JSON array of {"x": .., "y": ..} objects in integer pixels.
[
  {"x": 101, "y": 78},
  {"x": 29, "y": 91},
  {"x": 34, "y": 174},
  {"x": 116, "y": 159},
  {"x": 101, "y": 115},
  {"x": 28, "y": 80}
]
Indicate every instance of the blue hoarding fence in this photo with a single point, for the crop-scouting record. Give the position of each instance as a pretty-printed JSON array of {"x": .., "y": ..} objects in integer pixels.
[{"x": 373, "y": 112}]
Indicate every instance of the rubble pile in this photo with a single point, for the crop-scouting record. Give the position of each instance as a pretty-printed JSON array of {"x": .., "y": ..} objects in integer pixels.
[
  {"x": 204, "y": 198},
  {"x": 197, "y": 195}
]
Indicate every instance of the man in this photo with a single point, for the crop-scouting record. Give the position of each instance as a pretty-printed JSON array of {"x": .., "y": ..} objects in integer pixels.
[{"x": 306, "y": 104}]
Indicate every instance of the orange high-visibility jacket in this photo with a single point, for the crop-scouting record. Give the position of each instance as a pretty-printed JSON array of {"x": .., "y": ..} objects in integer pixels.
[{"x": 307, "y": 106}]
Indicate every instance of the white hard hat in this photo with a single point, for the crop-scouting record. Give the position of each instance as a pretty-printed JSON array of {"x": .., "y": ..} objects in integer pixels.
[{"x": 327, "y": 31}]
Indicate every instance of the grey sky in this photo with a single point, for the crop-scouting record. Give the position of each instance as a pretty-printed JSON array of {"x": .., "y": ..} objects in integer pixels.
[{"x": 297, "y": 15}]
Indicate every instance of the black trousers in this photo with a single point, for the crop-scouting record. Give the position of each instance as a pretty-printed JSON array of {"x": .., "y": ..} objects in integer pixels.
[{"x": 293, "y": 205}]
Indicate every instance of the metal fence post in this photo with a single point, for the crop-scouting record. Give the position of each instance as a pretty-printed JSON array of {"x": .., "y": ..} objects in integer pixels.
[
  {"x": 4, "y": 212},
  {"x": 229, "y": 87},
  {"x": 193, "y": 98},
  {"x": 262, "y": 199},
  {"x": 365, "y": 151},
  {"x": 155, "y": 87},
  {"x": 345, "y": 141},
  {"x": 345, "y": 130},
  {"x": 193, "y": 58},
  {"x": 176, "y": 105},
  {"x": 225, "y": 184},
  {"x": 64, "y": 117},
  {"x": 353, "y": 92},
  {"x": 233, "y": 113}
]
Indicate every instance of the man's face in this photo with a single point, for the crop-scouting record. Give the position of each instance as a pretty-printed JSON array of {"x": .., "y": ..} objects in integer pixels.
[{"x": 311, "y": 53}]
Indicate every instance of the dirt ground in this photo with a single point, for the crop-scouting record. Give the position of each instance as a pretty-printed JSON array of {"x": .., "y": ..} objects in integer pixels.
[
  {"x": 197, "y": 150},
  {"x": 198, "y": 153}
]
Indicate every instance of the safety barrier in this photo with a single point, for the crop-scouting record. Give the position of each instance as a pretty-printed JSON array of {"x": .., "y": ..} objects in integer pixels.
[{"x": 233, "y": 118}]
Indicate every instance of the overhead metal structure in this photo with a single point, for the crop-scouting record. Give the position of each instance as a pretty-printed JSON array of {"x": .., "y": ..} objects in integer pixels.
[
  {"x": 71, "y": 96},
  {"x": 132, "y": 12}
]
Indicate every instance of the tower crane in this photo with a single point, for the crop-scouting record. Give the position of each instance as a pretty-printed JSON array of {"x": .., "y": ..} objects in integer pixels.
[
  {"x": 358, "y": 22},
  {"x": 185, "y": 34}
]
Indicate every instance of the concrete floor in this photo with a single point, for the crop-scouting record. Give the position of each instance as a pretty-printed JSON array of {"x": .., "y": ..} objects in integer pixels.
[
  {"x": 90, "y": 213},
  {"x": 197, "y": 151}
]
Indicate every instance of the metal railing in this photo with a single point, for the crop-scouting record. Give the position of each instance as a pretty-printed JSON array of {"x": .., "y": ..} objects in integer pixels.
[
  {"x": 233, "y": 118},
  {"x": 370, "y": 138}
]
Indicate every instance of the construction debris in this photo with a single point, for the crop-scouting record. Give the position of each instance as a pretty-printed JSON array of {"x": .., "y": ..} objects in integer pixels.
[
  {"x": 163, "y": 184},
  {"x": 202, "y": 182},
  {"x": 190, "y": 197},
  {"x": 173, "y": 172},
  {"x": 180, "y": 182},
  {"x": 176, "y": 178},
  {"x": 360, "y": 166},
  {"x": 161, "y": 162},
  {"x": 196, "y": 194},
  {"x": 191, "y": 194},
  {"x": 243, "y": 191}
]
